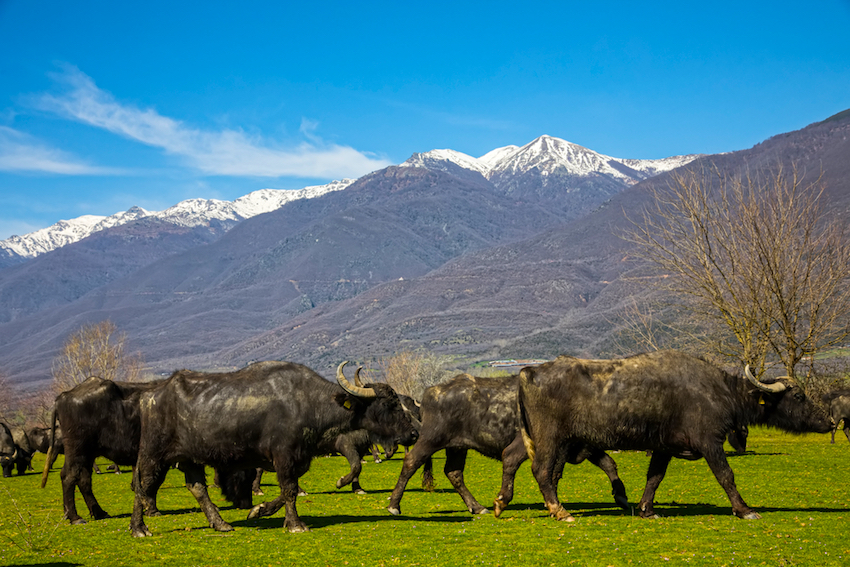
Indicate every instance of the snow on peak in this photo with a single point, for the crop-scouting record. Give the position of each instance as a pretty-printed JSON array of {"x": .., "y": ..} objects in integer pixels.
[
  {"x": 191, "y": 212},
  {"x": 546, "y": 155},
  {"x": 437, "y": 159}
]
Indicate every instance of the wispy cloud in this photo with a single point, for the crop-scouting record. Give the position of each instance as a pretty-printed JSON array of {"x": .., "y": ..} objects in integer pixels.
[
  {"x": 226, "y": 152},
  {"x": 20, "y": 152}
]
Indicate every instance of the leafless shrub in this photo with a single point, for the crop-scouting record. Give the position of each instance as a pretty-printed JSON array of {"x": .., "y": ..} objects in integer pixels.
[
  {"x": 762, "y": 265},
  {"x": 410, "y": 372},
  {"x": 95, "y": 350}
]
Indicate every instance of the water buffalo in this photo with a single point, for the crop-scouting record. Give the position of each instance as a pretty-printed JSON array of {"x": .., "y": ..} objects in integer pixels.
[
  {"x": 8, "y": 452},
  {"x": 16, "y": 450},
  {"x": 40, "y": 440},
  {"x": 480, "y": 413},
  {"x": 838, "y": 404},
  {"x": 100, "y": 418},
  {"x": 270, "y": 414},
  {"x": 669, "y": 402}
]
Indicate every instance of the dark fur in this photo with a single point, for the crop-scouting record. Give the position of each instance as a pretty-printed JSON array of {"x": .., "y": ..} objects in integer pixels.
[
  {"x": 100, "y": 418},
  {"x": 480, "y": 414},
  {"x": 40, "y": 440},
  {"x": 273, "y": 415},
  {"x": 838, "y": 404},
  {"x": 669, "y": 402},
  {"x": 10, "y": 454}
]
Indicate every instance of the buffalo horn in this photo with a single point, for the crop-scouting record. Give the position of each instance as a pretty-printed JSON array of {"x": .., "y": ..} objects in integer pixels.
[
  {"x": 351, "y": 388},
  {"x": 357, "y": 381},
  {"x": 773, "y": 388}
]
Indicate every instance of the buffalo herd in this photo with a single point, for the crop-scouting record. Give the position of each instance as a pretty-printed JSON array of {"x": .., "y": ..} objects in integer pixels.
[{"x": 277, "y": 416}]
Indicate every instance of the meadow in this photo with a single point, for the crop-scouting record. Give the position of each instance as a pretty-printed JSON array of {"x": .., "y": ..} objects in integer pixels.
[{"x": 797, "y": 483}]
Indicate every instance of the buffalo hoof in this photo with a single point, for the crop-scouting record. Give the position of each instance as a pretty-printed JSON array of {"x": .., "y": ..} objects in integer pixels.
[
  {"x": 222, "y": 527},
  {"x": 562, "y": 515},
  {"x": 295, "y": 526},
  {"x": 261, "y": 493},
  {"x": 153, "y": 513},
  {"x": 394, "y": 511},
  {"x": 255, "y": 512},
  {"x": 498, "y": 507},
  {"x": 480, "y": 511},
  {"x": 78, "y": 522},
  {"x": 141, "y": 532},
  {"x": 622, "y": 501},
  {"x": 360, "y": 491},
  {"x": 339, "y": 483},
  {"x": 751, "y": 516}
]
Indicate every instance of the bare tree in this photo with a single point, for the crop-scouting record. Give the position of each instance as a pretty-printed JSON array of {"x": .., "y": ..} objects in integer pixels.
[
  {"x": 410, "y": 373},
  {"x": 756, "y": 256},
  {"x": 7, "y": 400},
  {"x": 94, "y": 350}
]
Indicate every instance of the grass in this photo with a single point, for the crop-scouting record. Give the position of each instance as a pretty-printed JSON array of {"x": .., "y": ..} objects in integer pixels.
[{"x": 798, "y": 484}]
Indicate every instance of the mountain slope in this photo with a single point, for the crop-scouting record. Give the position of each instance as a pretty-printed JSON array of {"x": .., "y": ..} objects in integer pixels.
[
  {"x": 406, "y": 257},
  {"x": 561, "y": 291},
  {"x": 189, "y": 213},
  {"x": 395, "y": 223}
]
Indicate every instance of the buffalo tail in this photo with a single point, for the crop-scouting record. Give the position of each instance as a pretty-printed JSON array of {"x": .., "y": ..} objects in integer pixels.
[{"x": 50, "y": 449}]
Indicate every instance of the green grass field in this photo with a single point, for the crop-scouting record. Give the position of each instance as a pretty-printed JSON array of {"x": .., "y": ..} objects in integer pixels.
[{"x": 798, "y": 484}]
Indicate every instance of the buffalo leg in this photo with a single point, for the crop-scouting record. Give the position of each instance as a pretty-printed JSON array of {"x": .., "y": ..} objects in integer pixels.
[
  {"x": 74, "y": 475},
  {"x": 846, "y": 430},
  {"x": 512, "y": 457},
  {"x": 427, "y": 474},
  {"x": 146, "y": 482},
  {"x": 197, "y": 485},
  {"x": 455, "y": 462},
  {"x": 288, "y": 473},
  {"x": 352, "y": 455},
  {"x": 604, "y": 461},
  {"x": 723, "y": 473},
  {"x": 543, "y": 466},
  {"x": 654, "y": 475},
  {"x": 255, "y": 487},
  {"x": 412, "y": 461}
]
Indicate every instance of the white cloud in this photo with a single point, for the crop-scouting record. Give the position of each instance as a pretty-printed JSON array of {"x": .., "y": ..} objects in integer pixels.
[
  {"x": 226, "y": 152},
  {"x": 20, "y": 152}
]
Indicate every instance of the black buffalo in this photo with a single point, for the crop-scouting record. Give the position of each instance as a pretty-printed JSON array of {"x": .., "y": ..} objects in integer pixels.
[
  {"x": 40, "y": 441},
  {"x": 480, "y": 413},
  {"x": 838, "y": 404},
  {"x": 16, "y": 450},
  {"x": 9, "y": 453},
  {"x": 100, "y": 418},
  {"x": 669, "y": 402},
  {"x": 270, "y": 414}
]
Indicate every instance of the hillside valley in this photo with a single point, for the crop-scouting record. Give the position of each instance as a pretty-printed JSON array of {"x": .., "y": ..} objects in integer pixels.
[{"x": 442, "y": 253}]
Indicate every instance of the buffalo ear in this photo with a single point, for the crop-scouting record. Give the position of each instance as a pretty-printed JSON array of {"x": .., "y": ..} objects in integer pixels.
[{"x": 345, "y": 400}]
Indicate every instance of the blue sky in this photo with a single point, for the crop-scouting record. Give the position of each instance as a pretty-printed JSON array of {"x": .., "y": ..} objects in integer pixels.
[{"x": 106, "y": 105}]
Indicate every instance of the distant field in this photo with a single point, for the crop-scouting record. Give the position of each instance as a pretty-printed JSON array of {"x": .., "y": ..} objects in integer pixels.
[{"x": 798, "y": 484}]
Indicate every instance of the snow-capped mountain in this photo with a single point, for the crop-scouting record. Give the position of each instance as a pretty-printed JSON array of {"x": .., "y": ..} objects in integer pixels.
[
  {"x": 547, "y": 167},
  {"x": 192, "y": 212},
  {"x": 548, "y": 155}
]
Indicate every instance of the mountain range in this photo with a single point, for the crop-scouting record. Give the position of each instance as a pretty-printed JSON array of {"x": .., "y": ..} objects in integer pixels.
[{"x": 511, "y": 254}]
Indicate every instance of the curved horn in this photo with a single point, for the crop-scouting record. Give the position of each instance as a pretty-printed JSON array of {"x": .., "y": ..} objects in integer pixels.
[
  {"x": 772, "y": 388},
  {"x": 351, "y": 388},
  {"x": 357, "y": 381},
  {"x": 417, "y": 425}
]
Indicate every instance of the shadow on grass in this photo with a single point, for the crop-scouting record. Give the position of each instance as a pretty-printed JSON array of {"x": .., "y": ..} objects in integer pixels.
[
  {"x": 733, "y": 454},
  {"x": 668, "y": 509},
  {"x": 318, "y": 522},
  {"x": 59, "y": 564}
]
